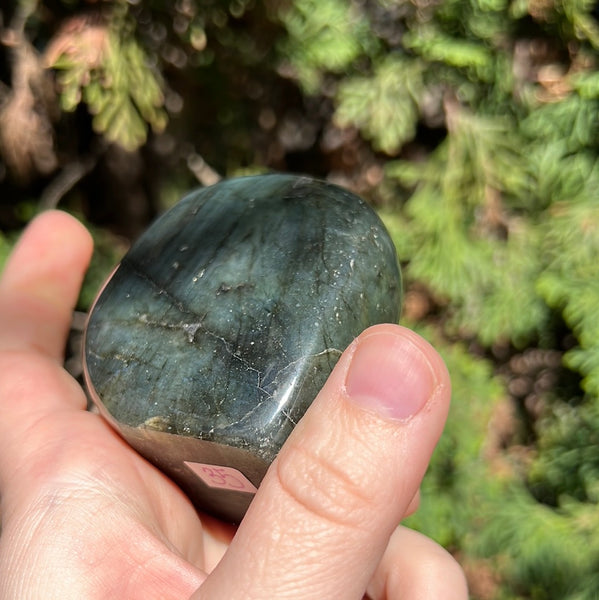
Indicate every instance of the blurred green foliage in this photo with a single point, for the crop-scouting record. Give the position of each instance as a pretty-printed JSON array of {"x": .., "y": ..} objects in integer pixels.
[
  {"x": 107, "y": 70},
  {"x": 323, "y": 37},
  {"x": 5, "y": 248},
  {"x": 500, "y": 225},
  {"x": 459, "y": 472},
  {"x": 473, "y": 127},
  {"x": 385, "y": 106}
]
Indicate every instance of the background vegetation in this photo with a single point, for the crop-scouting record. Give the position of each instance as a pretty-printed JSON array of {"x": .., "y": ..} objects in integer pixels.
[{"x": 472, "y": 126}]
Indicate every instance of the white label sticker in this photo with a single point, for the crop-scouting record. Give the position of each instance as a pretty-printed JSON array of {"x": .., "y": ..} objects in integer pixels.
[{"x": 225, "y": 478}]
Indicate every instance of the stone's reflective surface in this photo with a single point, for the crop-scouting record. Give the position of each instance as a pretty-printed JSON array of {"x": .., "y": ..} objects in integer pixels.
[{"x": 226, "y": 317}]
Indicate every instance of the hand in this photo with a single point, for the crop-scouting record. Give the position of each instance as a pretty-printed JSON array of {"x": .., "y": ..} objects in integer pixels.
[{"x": 84, "y": 516}]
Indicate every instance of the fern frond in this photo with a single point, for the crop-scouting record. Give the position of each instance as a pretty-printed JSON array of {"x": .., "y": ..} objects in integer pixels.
[{"x": 385, "y": 106}]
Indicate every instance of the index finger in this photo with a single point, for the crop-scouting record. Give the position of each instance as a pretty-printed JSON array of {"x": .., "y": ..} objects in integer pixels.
[{"x": 40, "y": 284}]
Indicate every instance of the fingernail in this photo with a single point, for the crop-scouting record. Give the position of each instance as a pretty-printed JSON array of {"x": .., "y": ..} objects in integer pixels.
[{"x": 389, "y": 374}]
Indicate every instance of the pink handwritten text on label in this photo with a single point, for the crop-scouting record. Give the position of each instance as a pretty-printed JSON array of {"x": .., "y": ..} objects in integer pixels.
[{"x": 225, "y": 478}]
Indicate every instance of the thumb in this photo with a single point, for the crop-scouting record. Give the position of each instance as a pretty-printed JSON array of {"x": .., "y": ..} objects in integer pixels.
[{"x": 328, "y": 505}]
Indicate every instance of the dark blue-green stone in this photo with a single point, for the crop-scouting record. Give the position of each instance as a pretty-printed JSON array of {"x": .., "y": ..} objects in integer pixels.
[{"x": 226, "y": 317}]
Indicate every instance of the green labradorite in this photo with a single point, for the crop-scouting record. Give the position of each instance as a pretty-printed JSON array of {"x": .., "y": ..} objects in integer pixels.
[{"x": 225, "y": 318}]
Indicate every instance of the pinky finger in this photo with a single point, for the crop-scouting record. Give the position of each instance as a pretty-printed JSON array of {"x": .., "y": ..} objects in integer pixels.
[{"x": 416, "y": 568}]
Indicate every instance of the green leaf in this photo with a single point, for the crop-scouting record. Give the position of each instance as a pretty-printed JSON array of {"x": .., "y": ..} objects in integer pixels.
[
  {"x": 570, "y": 283},
  {"x": 122, "y": 91},
  {"x": 435, "y": 46},
  {"x": 465, "y": 246},
  {"x": 385, "y": 106},
  {"x": 323, "y": 35}
]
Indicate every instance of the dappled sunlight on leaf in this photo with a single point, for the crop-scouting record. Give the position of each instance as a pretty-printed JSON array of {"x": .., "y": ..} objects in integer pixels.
[{"x": 105, "y": 68}]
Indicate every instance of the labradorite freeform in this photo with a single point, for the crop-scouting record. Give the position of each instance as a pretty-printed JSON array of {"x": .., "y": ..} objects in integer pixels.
[{"x": 226, "y": 317}]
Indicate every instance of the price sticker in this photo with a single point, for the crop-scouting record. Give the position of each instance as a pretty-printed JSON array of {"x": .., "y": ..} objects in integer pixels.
[{"x": 225, "y": 478}]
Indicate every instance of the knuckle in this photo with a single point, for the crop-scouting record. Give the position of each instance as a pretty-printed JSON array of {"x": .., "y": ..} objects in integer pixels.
[{"x": 325, "y": 488}]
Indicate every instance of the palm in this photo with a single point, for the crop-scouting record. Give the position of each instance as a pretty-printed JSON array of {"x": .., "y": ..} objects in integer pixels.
[{"x": 88, "y": 470}]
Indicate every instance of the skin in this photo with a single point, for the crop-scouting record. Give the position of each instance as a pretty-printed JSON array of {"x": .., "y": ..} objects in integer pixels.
[{"x": 84, "y": 516}]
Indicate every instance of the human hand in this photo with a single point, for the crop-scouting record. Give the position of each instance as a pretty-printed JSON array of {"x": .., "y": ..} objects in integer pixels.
[{"x": 84, "y": 516}]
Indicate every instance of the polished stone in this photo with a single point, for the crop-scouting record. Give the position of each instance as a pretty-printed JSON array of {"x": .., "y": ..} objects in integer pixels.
[{"x": 226, "y": 317}]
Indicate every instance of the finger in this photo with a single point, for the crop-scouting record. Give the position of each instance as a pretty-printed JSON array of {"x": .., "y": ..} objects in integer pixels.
[
  {"x": 328, "y": 505},
  {"x": 40, "y": 284},
  {"x": 416, "y": 568},
  {"x": 38, "y": 290}
]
